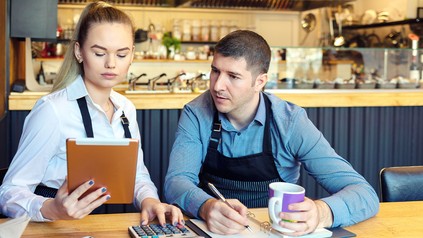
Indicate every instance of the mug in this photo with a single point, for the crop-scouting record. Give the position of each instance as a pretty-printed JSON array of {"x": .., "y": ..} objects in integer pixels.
[{"x": 282, "y": 194}]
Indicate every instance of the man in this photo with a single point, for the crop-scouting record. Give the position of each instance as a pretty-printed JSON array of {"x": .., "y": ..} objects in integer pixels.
[{"x": 241, "y": 139}]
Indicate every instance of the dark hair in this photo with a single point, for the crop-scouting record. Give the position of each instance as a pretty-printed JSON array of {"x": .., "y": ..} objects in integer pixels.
[{"x": 248, "y": 45}]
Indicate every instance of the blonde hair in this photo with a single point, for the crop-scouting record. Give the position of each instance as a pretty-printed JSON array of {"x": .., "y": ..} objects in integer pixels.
[{"x": 96, "y": 12}]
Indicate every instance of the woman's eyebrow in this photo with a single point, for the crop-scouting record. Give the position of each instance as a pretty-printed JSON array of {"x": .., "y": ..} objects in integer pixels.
[{"x": 103, "y": 48}]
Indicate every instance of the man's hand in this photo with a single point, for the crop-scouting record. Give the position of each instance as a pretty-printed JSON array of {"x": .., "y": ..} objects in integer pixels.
[
  {"x": 309, "y": 216},
  {"x": 67, "y": 206},
  {"x": 221, "y": 219}
]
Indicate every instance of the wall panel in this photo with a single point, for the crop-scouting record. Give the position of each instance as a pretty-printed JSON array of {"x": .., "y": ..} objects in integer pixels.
[{"x": 370, "y": 138}]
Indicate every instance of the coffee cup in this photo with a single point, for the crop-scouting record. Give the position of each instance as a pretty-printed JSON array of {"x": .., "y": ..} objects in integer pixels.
[{"x": 282, "y": 194}]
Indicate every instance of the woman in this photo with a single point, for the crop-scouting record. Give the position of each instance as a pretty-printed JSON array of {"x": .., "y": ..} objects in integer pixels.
[{"x": 98, "y": 58}]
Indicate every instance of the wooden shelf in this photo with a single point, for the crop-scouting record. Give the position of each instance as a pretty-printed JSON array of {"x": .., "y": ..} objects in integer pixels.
[
  {"x": 301, "y": 97},
  {"x": 135, "y": 60},
  {"x": 383, "y": 24}
]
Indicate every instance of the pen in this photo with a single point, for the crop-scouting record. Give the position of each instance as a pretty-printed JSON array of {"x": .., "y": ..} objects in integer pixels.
[{"x": 223, "y": 199}]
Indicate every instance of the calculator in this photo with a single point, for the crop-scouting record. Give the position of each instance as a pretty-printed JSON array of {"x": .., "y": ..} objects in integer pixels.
[{"x": 158, "y": 231}]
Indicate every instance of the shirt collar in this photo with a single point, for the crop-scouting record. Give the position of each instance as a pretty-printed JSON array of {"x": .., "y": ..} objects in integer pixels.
[
  {"x": 77, "y": 90},
  {"x": 259, "y": 118}
]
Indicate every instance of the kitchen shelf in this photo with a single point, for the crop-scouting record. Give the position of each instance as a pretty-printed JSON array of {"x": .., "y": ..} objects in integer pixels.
[
  {"x": 52, "y": 59},
  {"x": 383, "y": 24},
  {"x": 199, "y": 42},
  {"x": 284, "y": 5}
]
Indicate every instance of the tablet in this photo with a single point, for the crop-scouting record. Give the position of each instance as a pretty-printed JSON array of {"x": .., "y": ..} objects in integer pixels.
[{"x": 111, "y": 163}]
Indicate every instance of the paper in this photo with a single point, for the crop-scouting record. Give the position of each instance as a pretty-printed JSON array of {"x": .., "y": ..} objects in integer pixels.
[
  {"x": 259, "y": 232},
  {"x": 13, "y": 228}
]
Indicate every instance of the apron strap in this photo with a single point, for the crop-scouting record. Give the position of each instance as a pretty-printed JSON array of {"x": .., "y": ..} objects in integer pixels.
[
  {"x": 267, "y": 140},
  {"x": 216, "y": 134},
  {"x": 86, "y": 118},
  {"x": 125, "y": 124}
]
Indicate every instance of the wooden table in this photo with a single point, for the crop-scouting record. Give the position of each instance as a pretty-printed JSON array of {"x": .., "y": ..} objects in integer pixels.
[{"x": 396, "y": 219}]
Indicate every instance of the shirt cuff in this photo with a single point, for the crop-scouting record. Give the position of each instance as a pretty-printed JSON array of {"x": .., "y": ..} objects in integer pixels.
[
  {"x": 339, "y": 210},
  {"x": 195, "y": 202},
  {"x": 35, "y": 211},
  {"x": 141, "y": 195}
]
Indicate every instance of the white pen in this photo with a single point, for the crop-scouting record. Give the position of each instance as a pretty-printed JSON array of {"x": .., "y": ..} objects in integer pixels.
[{"x": 223, "y": 199}]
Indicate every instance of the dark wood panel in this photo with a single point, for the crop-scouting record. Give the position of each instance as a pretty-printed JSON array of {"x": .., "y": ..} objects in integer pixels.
[{"x": 3, "y": 57}]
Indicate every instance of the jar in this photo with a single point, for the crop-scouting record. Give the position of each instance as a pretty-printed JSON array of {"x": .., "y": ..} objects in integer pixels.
[
  {"x": 177, "y": 29},
  {"x": 205, "y": 30},
  {"x": 224, "y": 29},
  {"x": 190, "y": 54},
  {"x": 196, "y": 30},
  {"x": 214, "y": 30},
  {"x": 186, "y": 30}
]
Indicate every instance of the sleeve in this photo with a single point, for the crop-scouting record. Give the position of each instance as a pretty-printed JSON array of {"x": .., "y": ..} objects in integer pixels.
[
  {"x": 144, "y": 187},
  {"x": 352, "y": 198},
  {"x": 38, "y": 144},
  {"x": 181, "y": 182}
]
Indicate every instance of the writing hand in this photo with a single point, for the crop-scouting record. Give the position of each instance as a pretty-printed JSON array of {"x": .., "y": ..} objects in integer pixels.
[
  {"x": 222, "y": 219},
  {"x": 67, "y": 206}
]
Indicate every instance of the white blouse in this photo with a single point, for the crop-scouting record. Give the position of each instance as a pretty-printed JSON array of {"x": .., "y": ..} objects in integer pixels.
[{"x": 41, "y": 155}]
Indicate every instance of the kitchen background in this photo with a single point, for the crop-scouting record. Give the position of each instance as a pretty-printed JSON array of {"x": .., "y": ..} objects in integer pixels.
[
  {"x": 369, "y": 137},
  {"x": 194, "y": 30}
]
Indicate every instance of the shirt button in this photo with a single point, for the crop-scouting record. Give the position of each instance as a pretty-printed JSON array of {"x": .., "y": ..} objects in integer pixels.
[{"x": 238, "y": 133}]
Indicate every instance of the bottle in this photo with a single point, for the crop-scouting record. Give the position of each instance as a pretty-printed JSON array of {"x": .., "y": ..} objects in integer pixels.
[
  {"x": 41, "y": 77},
  {"x": 414, "y": 71},
  {"x": 414, "y": 66}
]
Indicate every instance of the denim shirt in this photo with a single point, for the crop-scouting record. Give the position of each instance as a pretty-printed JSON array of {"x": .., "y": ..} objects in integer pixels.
[{"x": 295, "y": 141}]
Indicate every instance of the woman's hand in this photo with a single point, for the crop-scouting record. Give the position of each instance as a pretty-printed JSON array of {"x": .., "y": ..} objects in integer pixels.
[
  {"x": 67, "y": 206},
  {"x": 152, "y": 208}
]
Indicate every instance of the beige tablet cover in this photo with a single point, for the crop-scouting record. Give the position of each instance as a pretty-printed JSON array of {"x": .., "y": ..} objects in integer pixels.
[{"x": 111, "y": 163}]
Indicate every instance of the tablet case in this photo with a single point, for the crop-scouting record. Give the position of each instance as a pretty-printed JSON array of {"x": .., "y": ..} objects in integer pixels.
[{"x": 111, "y": 163}]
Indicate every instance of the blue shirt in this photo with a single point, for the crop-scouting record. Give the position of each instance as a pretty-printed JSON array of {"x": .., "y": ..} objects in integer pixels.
[{"x": 295, "y": 142}]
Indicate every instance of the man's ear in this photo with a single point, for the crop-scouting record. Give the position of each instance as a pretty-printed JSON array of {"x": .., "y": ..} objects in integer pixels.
[{"x": 260, "y": 82}]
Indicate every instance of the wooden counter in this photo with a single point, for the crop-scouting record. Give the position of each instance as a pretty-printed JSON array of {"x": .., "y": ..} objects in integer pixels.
[
  {"x": 304, "y": 98},
  {"x": 396, "y": 219}
]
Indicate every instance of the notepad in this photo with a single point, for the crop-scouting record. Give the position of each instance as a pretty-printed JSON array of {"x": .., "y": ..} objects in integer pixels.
[
  {"x": 260, "y": 230},
  {"x": 111, "y": 163},
  {"x": 13, "y": 228}
]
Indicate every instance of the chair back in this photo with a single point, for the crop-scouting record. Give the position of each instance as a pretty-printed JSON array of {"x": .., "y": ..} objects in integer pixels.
[
  {"x": 3, "y": 172},
  {"x": 401, "y": 183}
]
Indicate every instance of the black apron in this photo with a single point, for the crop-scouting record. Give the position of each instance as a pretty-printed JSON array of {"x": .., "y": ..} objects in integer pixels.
[
  {"x": 86, "y": 119},
  {"x": 245, "y": 178}
]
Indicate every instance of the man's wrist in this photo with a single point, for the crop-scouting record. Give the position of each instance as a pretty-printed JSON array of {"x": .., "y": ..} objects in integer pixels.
[
  {"x": 325, "y": 214},
  {"x": 202, "y": 212}
]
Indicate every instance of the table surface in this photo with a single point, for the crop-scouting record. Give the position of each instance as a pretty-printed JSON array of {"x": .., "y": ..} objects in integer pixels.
[{"x": 395, "y": 219}]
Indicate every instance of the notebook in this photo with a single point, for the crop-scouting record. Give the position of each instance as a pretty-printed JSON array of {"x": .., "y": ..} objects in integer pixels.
[
  {"x": 260, "y": 230},
  {"x": 111, "y": 163},
  {"x": 13, "y": 228}
]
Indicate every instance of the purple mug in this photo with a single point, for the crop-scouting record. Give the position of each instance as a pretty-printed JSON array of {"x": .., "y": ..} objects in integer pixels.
[{"x": 282, "y": 194}]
